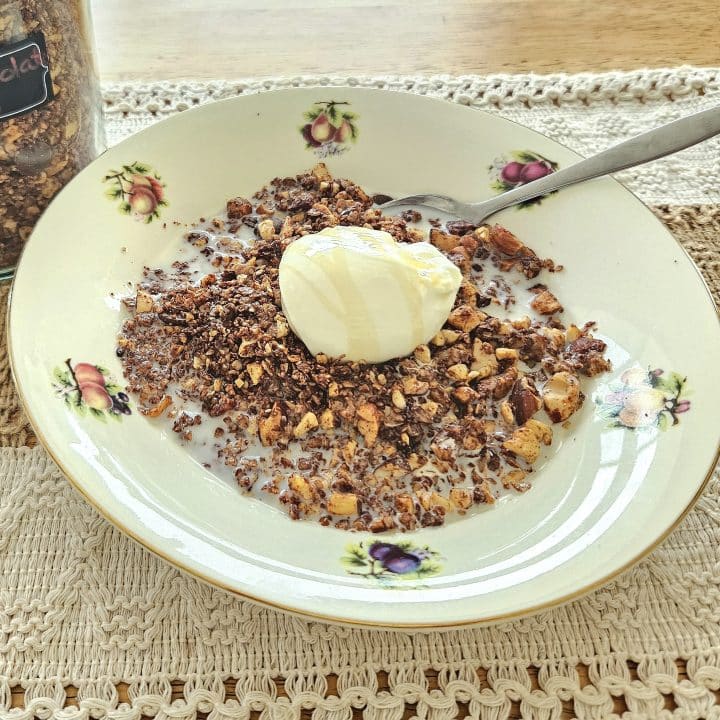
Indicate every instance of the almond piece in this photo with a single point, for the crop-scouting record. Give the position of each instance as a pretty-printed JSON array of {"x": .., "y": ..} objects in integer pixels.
[
  {"x": 461, "y": 497},
  {"x": 143, "y": 302},
  {"x": 307, "y": 423},
  {"x": 442, "y": 241},
  {"x": 504, "y": 241},
  {"x": 327, "y": 419},
  {"x": 546, "y": 303},
  {"x": 269, "y": 428},
  {"x": 561, "y": 396},
  {"x": 343, "y": 504},
  {"x": 466, "y": 318},
  {"x": 301, "y": 486},
  {"x": 458, "y": 372},
  {"x": 255, "y": 371}
]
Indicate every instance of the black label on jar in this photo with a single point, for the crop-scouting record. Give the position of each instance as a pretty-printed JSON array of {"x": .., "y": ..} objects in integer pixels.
[{"x": 25, "y": 82}]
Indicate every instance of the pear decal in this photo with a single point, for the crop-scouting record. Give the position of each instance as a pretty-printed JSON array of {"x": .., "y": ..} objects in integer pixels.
[{"x": 330, "y": 128}]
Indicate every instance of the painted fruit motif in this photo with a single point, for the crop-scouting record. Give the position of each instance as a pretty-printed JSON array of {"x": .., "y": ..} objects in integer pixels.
[
  {"x": 139, "y": 190},
  {"x": 523, "y": 166},
  {"x": 386, "y": 562},
  {"x": 644, "y": 399},
  {"x": 329, "y": 127},
  {"x": 87, "y": 388}
]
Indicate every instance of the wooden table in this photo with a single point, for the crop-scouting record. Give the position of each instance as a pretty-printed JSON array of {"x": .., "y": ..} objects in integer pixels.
[{"x": 205, "y": 39}]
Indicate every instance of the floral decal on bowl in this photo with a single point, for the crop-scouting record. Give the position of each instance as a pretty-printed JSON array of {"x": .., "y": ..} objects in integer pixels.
[
  {"x": 644, "y": 398},
  {"x": 522, "y": 167},
  {"x": 89, "y": 389},
  {"x": 329, "y": 128},
  {"x": 385, "y": 561},
  {"x": 138, "y": 190}
]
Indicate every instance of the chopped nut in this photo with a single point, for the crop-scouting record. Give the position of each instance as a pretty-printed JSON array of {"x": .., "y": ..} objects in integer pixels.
[
  {"x": 503, "y": 353},
  {"x": 321, "y": 172},
  {"x": 281, "y": 327},
  {"x": 443, "y": 241},
  {"x": 238, "y": 208},
  {"x": 343, "y": 504},
  {"x": 522, "y": 323},
  {"x": 369, "y": 423},
  {"x": 561, "y": 396},
  {"x": 398, "y": 400},
  {"x": 404, "y": 503},
  {"x": 555, "y": 336},
  {"x": 143, "y": 302},
  {"x": 504, "y": 241},
  {"x": 255, "y": 371},
  {"x": 450, "y": 336},
  {"x": 348, "y": 451},
  {"x": 327, "y": 420},
  {"x": 301, "y": 486},
  {"x": 542, "y": 431},
  {"x": 437, "y": 500},
  {"x": 413, "y": 386},
  {"x": 572, "y": 334},
  {"x": 307, "y": 423},
  {"x": 515, "y": 479},
  {"x": 464, "y": 394},
  {"x": 333, "y": 390},
  {"x": 430, "y": 407},
  {"x": 438, "y": 340},
  {"x": 507, "y": 413},
  {"x": 466, "y": 318},
  {"x": 445, "y": 449},
  {"x": 485, "y": 363},
  {"x": 461, "y": 497},
  {"x": 266, "y": 229},
  {"x": 523, "y": 443},
  {"x": 422, "y": 354},
  {"x": 458, "y": 372},
  {"x": 524, "y": 400},
  {"x": 546, "y": 303},
  {"x": 269, "y": 428}
]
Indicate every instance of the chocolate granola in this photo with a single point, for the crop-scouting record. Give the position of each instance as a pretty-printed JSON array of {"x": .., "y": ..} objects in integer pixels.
[
  {"x": 43, "y": 149},
  {"x": 395, "y": 445}
]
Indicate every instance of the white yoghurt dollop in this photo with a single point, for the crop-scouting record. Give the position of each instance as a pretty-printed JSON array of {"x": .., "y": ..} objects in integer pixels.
[{"x": 357, "y": 293}]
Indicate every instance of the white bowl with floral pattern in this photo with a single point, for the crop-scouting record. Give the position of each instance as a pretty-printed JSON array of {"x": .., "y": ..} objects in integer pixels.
[{"x": 612, "y": 486}]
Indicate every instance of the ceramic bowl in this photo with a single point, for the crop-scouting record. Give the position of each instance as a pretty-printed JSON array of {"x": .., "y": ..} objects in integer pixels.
[{"x": 612, "y": 486}]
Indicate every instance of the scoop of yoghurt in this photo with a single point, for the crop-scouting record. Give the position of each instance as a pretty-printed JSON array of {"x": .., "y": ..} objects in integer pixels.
[{"x": 357, "y": 293}]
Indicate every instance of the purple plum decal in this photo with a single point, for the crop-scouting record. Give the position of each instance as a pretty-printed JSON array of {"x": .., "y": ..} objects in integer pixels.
[{"x": 385, "y": 561}]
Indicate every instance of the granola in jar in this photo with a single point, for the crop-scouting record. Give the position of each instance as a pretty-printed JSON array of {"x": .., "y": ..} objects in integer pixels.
[{"x": 50, "y": 111}]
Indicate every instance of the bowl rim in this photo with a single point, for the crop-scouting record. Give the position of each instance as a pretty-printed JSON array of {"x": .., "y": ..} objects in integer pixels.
[{"x": 334, "y": 618}]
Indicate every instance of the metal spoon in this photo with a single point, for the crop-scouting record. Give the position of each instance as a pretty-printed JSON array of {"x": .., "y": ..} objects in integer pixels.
[{"x": 654, "y": 144}]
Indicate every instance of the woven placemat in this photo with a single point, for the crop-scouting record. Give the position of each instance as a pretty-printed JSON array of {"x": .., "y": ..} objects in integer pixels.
[{"x": 91, "y": 625}]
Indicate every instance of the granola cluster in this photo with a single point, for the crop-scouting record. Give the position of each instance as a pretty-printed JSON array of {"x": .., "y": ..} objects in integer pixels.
[{"x": 395, "y": 445}]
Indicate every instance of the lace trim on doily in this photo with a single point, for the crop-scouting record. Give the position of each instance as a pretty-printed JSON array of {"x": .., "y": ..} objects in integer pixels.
[
  {"x": 492, "y": 90},
  {"x": 610, "y": 687}
]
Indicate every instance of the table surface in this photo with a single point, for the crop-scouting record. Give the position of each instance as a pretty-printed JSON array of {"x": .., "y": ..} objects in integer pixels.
[{"x": 206, "y": 39}]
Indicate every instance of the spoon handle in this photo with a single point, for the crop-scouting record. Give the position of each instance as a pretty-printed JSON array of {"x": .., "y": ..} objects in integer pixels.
[{"x": 640, "y": 149}]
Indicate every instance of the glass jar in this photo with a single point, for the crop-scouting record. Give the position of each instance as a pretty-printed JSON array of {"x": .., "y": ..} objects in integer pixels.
[{"x": 50, "y": 111}]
